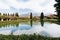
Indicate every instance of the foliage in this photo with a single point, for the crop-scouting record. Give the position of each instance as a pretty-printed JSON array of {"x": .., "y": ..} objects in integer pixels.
[
  {"x": 4, "y": 14},
  {"x": 30, "y": 15},
  {"x": 0, "y": 13},
  {"x": 42, "y": 15},
  {"x": 26, "y": 37},
  {"x": 57, "y": 5},
  {"x": 11, "y": 14},
  {"x": 16, "y": 14}
]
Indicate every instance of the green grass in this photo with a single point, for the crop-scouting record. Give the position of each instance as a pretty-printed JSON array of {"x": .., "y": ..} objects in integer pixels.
[
  {"x": 12, "y": 22},
  {"x": 26, "y": 37}
]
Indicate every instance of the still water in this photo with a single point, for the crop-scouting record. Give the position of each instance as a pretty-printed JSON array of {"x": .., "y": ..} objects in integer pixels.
[{"x": 42, "y": 28}]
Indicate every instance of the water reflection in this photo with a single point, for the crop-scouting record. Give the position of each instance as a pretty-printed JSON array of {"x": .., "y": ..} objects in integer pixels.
[
  {"x": 48, "y": 29},
  {"x": 17, "y": 24},
  {"x": 13, "y": 24},
  {"x": 31, "y": 23},
  {"x": 58, "y": 21},
  {"x": 42, "y": 22}
]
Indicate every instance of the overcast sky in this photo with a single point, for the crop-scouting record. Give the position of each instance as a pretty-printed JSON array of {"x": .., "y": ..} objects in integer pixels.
[{"x": 26, "y": 6}]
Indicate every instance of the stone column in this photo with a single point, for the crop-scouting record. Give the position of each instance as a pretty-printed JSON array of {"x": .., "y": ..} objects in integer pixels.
[
  {"x": 1, "y": 19},
  {"x": 9, "y": 19}
]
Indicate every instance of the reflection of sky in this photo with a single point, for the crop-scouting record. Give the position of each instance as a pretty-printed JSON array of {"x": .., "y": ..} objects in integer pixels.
[
  {"x": 49, "y": 29},
  {"x": 20, "y": 27}
]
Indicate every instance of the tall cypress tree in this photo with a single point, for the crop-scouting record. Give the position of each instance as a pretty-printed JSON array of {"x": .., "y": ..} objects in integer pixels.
[
  {"x": 30, "y": 15},
  {"x": 42, "y": 16},
  {"x": 57, "y": 5}
]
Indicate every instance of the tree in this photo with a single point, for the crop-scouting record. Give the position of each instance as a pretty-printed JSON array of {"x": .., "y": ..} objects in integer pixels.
[
  {"x": 30, "y": 15},
  {"x": 0, "y": 13},
  {"x": 16, "y": 14},
  {"x": 4, "y": 14},
  {"x": 13, "y": 14},
  {"x": 42, "y": 16},
  {"x": 57, "y": 5}
]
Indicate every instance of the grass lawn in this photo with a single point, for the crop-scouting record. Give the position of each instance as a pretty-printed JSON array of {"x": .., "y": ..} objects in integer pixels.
[{"x": 26, "y": 37}]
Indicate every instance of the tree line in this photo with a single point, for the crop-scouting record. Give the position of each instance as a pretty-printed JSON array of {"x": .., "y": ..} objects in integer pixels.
[{"x": 7, "y": 14}]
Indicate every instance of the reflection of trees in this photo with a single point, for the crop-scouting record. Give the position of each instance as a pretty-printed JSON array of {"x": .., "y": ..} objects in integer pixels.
[
  {"x": 17, "y": 24},
  {"x": 42, "y": 22},
  {"x": 31, "y": 19},
  {"x": 9, "y": 24},
  {"x": 31, "y": 23},
  {"x": 58, "y": 21},
  {"x": 57, "y": 5}
]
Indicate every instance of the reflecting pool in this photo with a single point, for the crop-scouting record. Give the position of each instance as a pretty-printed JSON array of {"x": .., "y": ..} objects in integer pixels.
[{"x": 42, "y": 28}]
